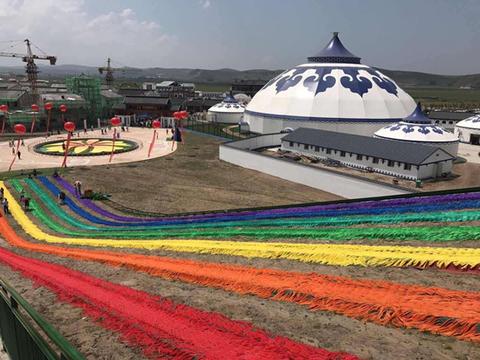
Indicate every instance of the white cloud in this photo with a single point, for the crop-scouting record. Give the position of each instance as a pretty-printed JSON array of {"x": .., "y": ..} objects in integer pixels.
[
  {"x": 63, "y": 28},
  {"x": 205, "y": 4}
]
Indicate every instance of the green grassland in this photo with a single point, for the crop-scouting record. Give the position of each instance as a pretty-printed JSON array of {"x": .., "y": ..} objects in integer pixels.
[{"x": 446, "y": 97}]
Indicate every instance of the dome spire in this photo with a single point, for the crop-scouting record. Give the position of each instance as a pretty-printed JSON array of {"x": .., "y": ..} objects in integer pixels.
[
  {"x": 334, "y": 52},
  {"x": 417, "y": 116}
]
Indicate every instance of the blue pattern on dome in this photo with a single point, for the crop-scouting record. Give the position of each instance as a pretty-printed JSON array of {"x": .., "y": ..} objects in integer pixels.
[
  {"x": 437, "y": 130},
  {"x": 356, "y": 83},
  {"x": 423, "y": 130},
  {"x": 382, "y": 82},
  {"x": 288, "y": 81},
  {"x": 321, "y": 81},
  {"x": 408, "y": 129},
  {"x": 395, "y": 127}
]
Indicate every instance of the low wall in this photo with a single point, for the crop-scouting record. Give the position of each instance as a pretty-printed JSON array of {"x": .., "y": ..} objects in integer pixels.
[{"x": 240, "y": 153}]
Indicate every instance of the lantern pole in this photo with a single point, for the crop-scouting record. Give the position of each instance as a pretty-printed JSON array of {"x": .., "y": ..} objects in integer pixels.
[
  {"x": 70, "y": 127},
  {"x": 49, "y": 116},
  {"x": 19, "y": 129},
  {"x": 155, "y": 124},
  {"x": 115, "y": 121},
  {"x": 35, "y": 110},
  {"x": 4, "y": 109}
]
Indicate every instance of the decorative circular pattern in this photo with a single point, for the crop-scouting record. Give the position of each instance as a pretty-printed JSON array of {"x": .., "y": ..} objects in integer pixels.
[{"x": 85, "y": 147}]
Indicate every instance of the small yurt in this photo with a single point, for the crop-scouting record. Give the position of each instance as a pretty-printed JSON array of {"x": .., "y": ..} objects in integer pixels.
[
  {"x": 468, "y": 130},
  {"x": 418, "y": 128},
  {"x": 229, "y": 111}
]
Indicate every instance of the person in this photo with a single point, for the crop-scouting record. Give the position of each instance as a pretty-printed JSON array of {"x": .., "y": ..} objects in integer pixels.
[
  {"x": 78, "y": 188},
  {"x": 55, "y": 174},
  {"x": 23, "y": 143},
  {"x": 2, "y": 193},
  {"x": 5, "y": 206},
  {"x": 35, "y": 172},
  {"x": 26, "y": 203},
  {"x": 19, "y": 154},
  {"x": 61, "y": 197},
  {"x": 13, "y": 150}
]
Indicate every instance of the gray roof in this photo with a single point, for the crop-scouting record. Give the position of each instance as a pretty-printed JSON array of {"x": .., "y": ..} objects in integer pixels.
[
  {"x": 167, "y": 83},
  {"x": 62, "y": 97},
  {"x": 110, "y": 94},
  {"x": 11, "y": 94},
  {"x": 406, "y": 152},
  {"x": 147, "y": 100},
  {"x": 449, "y": 115}
]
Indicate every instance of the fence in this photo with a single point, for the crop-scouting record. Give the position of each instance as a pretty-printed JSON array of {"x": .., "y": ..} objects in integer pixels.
[
  {"x": 226, "y": 131},
  {"x": 20, "y": 337}
]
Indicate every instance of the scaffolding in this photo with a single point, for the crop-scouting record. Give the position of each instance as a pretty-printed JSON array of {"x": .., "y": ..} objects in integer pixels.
[{"x": 89, "y": 88}]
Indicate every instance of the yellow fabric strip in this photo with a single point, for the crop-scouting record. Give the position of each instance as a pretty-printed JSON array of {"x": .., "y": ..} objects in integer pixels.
[{"x": 331, "y": 254}]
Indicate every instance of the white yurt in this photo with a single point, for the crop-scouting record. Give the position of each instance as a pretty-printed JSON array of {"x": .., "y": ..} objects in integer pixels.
[
  {"x": 468, "y": 130},
  {"x": 333, "y": 91},
  {"x": 418, "y": 128},
  {"x": 229, "y": 111}
]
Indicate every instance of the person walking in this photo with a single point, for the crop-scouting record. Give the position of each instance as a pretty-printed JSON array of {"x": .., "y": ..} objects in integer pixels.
[
  {"x": 19, "y": 154},
  {"x": 2, "y": 193},
  {"x": 5, "y": 206},
  {"x": 78, "y": 188}
]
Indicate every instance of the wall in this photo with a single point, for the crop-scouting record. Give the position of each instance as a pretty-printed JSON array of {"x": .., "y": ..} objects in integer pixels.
[
  {"x": 264, "y": 125},
  {"x": 345, "y": 185},
  {"x": 464, "y": 134}
]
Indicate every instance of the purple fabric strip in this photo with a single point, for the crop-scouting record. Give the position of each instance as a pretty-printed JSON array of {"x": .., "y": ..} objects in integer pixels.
[{"x": 282, "y": 212}]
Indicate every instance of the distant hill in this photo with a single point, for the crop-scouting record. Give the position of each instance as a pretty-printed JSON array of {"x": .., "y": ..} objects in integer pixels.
[{"x": 407, "y": 79}]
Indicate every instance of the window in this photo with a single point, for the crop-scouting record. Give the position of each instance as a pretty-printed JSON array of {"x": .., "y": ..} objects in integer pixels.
[
  {"x": 305, "y": 146},
  {"x": 342, "y": 153},
  {"x": 329, "y": 151},
  {"x": 391, "y": 163},
  {"x": 359, "y": 157},
  {"x": 407, "y": 167},
  {"x": 291, "y": 143},
  {"x": 450, "y": 122},
  {"x": 375, "y": 160},
  {"x": 317, "y": 148}
]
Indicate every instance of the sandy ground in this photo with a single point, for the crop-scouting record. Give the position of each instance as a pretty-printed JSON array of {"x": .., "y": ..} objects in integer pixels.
[
  {"x": 33, "y": 160},
  {"x": 192, "y": 179}
]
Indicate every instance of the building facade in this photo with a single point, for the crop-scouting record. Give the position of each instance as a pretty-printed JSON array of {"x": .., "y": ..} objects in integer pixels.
[{"x": 409, "y": 161}]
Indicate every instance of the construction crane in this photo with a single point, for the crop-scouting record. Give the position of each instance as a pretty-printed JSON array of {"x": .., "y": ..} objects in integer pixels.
[
  {"x": 108, "y": 70},
  {"x": 31, "y": 68}
]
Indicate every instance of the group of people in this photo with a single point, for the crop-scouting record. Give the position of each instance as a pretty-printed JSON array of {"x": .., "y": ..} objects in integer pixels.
[{"x": 11, "y": 144}]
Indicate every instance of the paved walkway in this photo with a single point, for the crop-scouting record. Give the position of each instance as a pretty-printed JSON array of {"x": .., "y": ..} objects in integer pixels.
[
  {"x": 32, "y": 160},
  {"x": 469, "y": 152}
]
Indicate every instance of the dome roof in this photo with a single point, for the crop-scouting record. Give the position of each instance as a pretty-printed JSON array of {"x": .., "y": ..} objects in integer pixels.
[
  {"x": 473, "y": 122},
  {"x": 228, "y": 105},
  {"x": 333, "y": 86},
  {"x": 416, "y": 127}
]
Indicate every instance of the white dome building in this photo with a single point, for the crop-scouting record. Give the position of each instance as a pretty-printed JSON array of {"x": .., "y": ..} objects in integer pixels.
[
  {"x": 333, "y": 91},
  {"x": 468, "y": 130},
  {"x": 229, "y": 111},
  {"x": 418, "y": 128}
]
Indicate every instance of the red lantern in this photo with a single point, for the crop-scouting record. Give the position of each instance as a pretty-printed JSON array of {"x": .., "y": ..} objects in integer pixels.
[
  {"x": 4, "y": 108},
  {"x": 48, "y": 106},
  {"x": 20, "y": 129},
  {"x": 35, "y": 108},
  {"x": 115, "y": 121},
  {"x": 63, "y": 108},
  {"x": 69, "y": 126},
  {"x": 184, "y": 114},
  {"x": 177, "y": 115},
  {"x": 156, "y": 124}
]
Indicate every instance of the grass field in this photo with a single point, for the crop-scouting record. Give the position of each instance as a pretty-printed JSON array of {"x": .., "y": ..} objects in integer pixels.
[{"x": 446, "y": 97}]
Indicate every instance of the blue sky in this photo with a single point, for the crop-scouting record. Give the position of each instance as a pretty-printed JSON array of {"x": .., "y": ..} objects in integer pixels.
[{"x": 440, "y": 36}]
